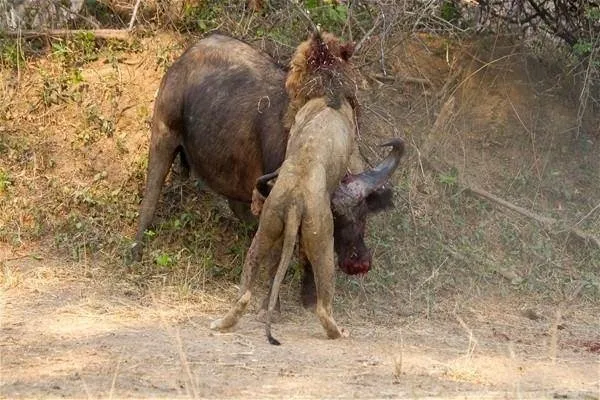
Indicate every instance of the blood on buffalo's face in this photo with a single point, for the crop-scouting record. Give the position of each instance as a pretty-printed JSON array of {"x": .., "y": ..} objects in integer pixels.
[
  {"x": 356, "y": 197},
  {"x": 354, "y": 257}
]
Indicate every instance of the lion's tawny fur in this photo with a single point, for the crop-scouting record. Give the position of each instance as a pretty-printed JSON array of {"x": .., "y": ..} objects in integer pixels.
[{"x": 320, "y": 144}]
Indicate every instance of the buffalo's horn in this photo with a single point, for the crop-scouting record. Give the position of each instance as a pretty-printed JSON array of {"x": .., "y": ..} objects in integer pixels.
[
  {"x": 356, "y": 187},
  {"x": 374, "y": 178}
]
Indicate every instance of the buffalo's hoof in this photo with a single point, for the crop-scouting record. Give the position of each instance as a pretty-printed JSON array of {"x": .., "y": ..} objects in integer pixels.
[
  {"x": 137, "y": 250},
  {"x": 243, "y": 213}
]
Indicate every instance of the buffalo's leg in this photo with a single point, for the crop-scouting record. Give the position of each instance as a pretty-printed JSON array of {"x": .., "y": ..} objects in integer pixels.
[
  {"x": 308, "y": 292},
  {"x": 184, "y": 165},
  {"x": 242, "y": 211},
  {"x": 163, "y": 147}
]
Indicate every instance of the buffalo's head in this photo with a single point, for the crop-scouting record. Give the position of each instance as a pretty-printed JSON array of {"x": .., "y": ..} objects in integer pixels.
[{"x": 357, "y": 196}]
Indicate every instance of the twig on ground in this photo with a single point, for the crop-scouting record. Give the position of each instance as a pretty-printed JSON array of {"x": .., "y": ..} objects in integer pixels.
[
  {"x": 19, "y": 51},
  {"x": 348, "y": 25},
  {"x": 585, "y": 90},
  {"x": 304, "y": 14},
  {"x": 367, "y": 35},
  {"x": 529, "y": 214},
  {"x": 407, "y": 79},
  {"x": 587, "y": 215},
  {"x": 472, "y": 340},
  {"x": 119, "y": 34},
  {"x": 551, "y": 224},
  {"x": 472, "y": 74},
  {"x": 547, "y": 222},
  {"x": 134, "y": 14}
]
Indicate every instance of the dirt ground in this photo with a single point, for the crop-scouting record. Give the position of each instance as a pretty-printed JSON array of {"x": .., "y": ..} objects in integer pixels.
[
  {"x": 76, "y": 323},
  {"x": 65, "y": 336}
]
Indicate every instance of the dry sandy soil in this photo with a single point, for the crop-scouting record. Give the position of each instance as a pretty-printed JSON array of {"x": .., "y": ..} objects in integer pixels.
[
  {"x": 64, "y": 335},
  {"x": 74, "y": 323}
]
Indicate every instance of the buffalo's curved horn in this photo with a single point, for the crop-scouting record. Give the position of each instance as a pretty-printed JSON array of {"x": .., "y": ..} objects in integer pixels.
[
  {"x": 356, "y": 187},
  {"x": 374, "y": 178}
]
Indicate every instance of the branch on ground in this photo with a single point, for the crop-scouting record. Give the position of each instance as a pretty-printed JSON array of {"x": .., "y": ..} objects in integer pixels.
[{"x": 119, "y": 34}]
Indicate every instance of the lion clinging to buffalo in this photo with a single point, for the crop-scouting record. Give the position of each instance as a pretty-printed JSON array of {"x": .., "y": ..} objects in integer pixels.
[
  {"x": 223, "y": 107},
  {"x": 320, "y": 144}
]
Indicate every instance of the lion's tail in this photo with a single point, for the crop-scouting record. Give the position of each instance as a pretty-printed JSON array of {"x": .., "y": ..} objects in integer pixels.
[{"x": 292, "y": 224}]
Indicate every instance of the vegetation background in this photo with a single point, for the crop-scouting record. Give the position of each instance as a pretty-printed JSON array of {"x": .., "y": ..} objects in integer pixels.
[{"x": 486, "y": 277}]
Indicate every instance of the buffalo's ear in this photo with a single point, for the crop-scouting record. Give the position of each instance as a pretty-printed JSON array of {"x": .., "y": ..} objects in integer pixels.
[{"x": 381, "y": 199}]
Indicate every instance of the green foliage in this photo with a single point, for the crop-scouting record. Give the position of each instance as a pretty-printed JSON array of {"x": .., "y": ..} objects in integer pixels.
[
  {"x": 332, "y": 17},
  {"x": 75, "y": 51},
  {"x": 202, "y": 16},
  {"x": 54, "y": 89},
  {"x": 11, "y": 53},
  {"x": 450, "y": 179},
  {"x": 449, "y": 12},
  {"x": 166, "y": 55},
  {"x": 57, "y": 89},
  {"x": 593, "y": 14},
  {"x": 279, "y": 35},
  {"x": 85, "y": 43},
  {"x": 583, "y": 48},
  {"x": 60, "y": 50},
  {"x": 72, "y": 54},
  {"x": 164, "y": 260},
  {"x": 98, "y": 126},
  {"x": 4, "y": 181}
]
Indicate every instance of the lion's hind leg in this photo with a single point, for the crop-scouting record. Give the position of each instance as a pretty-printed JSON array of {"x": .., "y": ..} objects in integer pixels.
[{"x": 254, "y": 258}]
